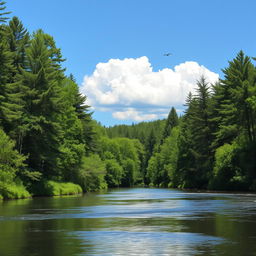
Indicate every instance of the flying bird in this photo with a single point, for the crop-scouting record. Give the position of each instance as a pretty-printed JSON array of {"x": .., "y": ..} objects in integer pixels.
[{"x": 167, "y": 54}]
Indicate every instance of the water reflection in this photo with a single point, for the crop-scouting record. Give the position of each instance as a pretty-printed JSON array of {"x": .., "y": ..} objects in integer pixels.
[
  {"x": 144, "y": 243},
  {"x": 130, "y": 222}
]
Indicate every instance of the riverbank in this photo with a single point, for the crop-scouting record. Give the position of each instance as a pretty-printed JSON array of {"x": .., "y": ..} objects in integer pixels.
[
  {"x": 46, "y": 188},
  {"x": 53, "y": 188}
]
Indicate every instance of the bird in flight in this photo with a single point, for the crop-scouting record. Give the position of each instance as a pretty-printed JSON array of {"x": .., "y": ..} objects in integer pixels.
[{"x": 167, "y": 54}]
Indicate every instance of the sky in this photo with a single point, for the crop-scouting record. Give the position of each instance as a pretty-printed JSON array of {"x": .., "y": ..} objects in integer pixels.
[{"x": 115, "y": 48}]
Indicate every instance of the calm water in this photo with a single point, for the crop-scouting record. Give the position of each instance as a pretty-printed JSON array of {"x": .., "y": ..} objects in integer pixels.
[{"x": 130, "y": 222}]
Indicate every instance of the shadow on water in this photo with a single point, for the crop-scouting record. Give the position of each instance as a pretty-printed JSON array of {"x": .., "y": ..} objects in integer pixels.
[{"x": 130, "y": 222}]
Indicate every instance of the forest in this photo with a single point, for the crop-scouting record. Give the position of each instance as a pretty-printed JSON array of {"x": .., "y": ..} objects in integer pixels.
[{"x": 50, "y": 144}]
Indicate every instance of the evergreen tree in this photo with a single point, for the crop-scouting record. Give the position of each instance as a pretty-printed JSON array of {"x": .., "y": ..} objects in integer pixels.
[
  {"x": 6, "y": 66},
  {"x": 3, "y": 18},
  {"x": 171, "y": 122},
  {"x": 10, "y": 160},
  {"x": 150, "y": 143},
  {"x": 186, "y": 160},
  {"x": 41, "y": 84},
  {"x": 235, "y": 118},
  {"x": 12, "y": 107},
  {"x": 88, "y": 136},
  {"x": 196, "y": 138},
  {"x": 18, "y": 39},
  {"x": 239, "y": 86}
]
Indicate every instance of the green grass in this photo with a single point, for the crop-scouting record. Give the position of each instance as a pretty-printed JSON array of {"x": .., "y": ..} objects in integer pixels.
[
  {"x": 1, "y": 197},
  {"x": 53, "y": 188},
  {"x": 13, "y": 191}
]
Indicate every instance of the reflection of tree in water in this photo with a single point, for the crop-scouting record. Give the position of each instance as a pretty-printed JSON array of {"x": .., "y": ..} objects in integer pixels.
[
  {"x": 123, "y": 221},
  {"x": 41, "y": 226}
]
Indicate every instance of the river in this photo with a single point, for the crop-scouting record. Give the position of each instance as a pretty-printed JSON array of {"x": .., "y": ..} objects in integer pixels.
[{"x": 138, "y": 221}]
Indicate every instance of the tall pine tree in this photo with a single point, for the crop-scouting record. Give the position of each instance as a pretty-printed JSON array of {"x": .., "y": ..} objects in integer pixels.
[
  {"x": 41, "y": 84},
  {"x": 171, "y": 122}
]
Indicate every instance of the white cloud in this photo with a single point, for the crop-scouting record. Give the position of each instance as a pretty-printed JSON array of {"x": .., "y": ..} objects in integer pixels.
[
  {"x": 132, "y": 90},
  {"x": 132, "y": 114}
]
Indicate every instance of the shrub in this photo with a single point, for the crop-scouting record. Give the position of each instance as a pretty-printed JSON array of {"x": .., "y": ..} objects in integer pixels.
[
  {"x": 10, "y": 160},
  {"x": 53, "y": 188},
  {"x": 114, "y": 173},
  {"x": 13, "y": 191},
  {"x": 129, "y": 175},
  {"x": 92, "y": 173},
  {"x": 224, "y": 168}
]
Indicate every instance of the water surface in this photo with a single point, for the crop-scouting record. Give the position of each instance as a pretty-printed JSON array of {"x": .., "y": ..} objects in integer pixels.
[{"x": 130, "y": 222}]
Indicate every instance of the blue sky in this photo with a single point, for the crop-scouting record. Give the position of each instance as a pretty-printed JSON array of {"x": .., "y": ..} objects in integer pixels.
[{"x": 134, "y": 35}]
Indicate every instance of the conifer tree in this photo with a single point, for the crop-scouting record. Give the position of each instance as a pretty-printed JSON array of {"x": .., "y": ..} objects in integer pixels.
[
  {"x": 41, "y": 80},
  {"x": 6, "y": 66},
  {"x": 18, "y": 39},
  {"x": 82, "y": 111},
  {"x": 195, "y": 153},
  {"x": 171, "y": 122},
  {"x": 3, "y": 13},
  {"x": 237, "y": 113}
]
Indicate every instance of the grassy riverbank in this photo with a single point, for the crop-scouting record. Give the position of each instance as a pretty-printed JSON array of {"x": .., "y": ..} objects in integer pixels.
[
  {"x": 53, "y": 188},
  {"x": 46, "y": 188},
  {"x": 13, "y": 191}
]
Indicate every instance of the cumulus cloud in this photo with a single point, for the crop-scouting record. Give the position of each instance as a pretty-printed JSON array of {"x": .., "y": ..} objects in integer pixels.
[
  {"x": 133, "y": 91},
  {"x": 133, "y": 114}
]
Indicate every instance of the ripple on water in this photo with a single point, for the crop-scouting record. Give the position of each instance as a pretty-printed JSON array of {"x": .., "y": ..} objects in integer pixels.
[{"x": 115, "y": 242}]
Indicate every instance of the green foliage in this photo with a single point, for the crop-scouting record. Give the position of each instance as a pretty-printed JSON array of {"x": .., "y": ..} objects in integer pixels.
[
  {"x": 224, "y": 168},
  {"x": 53, "y": 188},
  {"x": 124, "y": 160},
  {"x": 18, "y": 40},
  {"x": 92, "y": 173},
  {"x": 140, "y": 131},
  {"x": 171, "y": 122},
  {"x": 2, "y": 12},
  {"x": 195, "y": 159},
  {"x": 6, "y": 67},
  {"x": 13, "y": 191},
  {"x": 72, "y": 147},
  {"x": 151, "y": 142},
  {"x": 109, "y": 149},
  {"x": 114, "y": 173},
  {"x": 11, "y": 161},
  {"x": 232, "y": 167},
  {"x": 39, "y": 123},
  {"x": 153, "y": 170},
  {"x": 237, "y": 105},
  {"x": 170, "y": 152},
  {"x": 129, "y": 172},
  {"x": 162, "y": 165}
]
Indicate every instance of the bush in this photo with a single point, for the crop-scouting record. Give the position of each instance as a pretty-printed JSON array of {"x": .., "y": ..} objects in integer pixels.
[
  {"x": 92, "y": 173},
  {"x": 224, "y": 168},
  {"x": 53, "y": 188},
  {"x": 13, "y": 191},
  {"x": 129, "y": 175},
  {"x": 10, "y": 160},
  {"x": 114, "y": 173}
]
